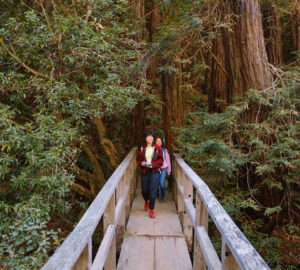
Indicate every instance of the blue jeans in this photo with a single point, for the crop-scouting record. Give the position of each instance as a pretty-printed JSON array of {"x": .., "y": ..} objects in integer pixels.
[
  {"x": 162, "y": 183},
  {"x": 149, "y": 183}
]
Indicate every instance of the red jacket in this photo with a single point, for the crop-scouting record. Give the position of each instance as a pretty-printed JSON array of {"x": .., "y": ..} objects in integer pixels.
[{"x": 157, "y": 159}]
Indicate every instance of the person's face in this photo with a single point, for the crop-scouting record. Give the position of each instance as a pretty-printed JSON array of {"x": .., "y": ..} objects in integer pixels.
[
  {"x": 158, "y": 141},
  {"x": 149, "y": 139}
]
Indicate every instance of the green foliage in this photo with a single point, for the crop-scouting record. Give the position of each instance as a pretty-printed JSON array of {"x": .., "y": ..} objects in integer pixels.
[
  {"x": 249, "y": 160},
  {"x": 58, "y": 71}
]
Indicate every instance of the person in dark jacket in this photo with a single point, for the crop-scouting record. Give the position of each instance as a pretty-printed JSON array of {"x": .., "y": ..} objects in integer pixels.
[{"x": 150, "y": 160}]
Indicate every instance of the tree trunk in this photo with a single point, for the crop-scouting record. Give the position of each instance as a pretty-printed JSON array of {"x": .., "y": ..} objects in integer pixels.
[
  {"x": 272, "y": 33},
  {"x": 150, "y": 26},
  {"x": 295, "y": 25},
  {"x": 245, "y": 57},
  {"x": 172, "y": 97},
  {"x": 138, "y": 124},
  {"x": 218, "y": 96},
  {"x": 106, "y": 143}
]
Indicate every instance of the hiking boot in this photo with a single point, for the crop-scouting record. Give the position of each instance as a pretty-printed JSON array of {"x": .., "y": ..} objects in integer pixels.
[
  {"x": 146, "y": 206},
  {"x": 151, "y": 214}
]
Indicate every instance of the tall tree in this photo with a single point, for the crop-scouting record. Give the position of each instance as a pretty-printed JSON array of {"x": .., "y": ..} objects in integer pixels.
[
  {"x": 172, "y": 97},
  {"x": 272, "y": 32},
  {"x": 245, "y": 56}
]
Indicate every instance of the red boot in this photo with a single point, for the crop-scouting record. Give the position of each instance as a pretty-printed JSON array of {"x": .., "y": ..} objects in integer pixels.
[
  {"x": 151, "y": 214},
  {"x": 146, "y": 206}
]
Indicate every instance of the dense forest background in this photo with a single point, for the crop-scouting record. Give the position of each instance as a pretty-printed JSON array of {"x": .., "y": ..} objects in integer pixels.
[{"x": 82, "y": 80}]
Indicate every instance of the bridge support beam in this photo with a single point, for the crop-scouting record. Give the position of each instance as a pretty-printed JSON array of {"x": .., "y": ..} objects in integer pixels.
[
  {"x": 120, "y": 194},
  {"x": 187, "y": 224},
  {"x": 201, "y": 219},
  {"x": 180, "y": 203},
  {"x": 109, "y": 219},
  {"x": 84, "y": 261},
  {"x": 228, "y": 260}
]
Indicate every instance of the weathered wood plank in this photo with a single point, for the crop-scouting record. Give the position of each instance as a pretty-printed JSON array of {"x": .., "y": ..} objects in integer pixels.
[
  {"x": 228, "y": 261},
  {"x": 180, "y": 203},
  {"x": 109, "y": 219},
  {"x": 103, "y": 250},
  {"x": 68, "y": 253},
  {"x": 201, "y": 219},
  {"x": 245, "y": 254},
  {"x": 190, "y": 209},
  {"x": 188, "y": 202},
  {"x": 84, "y": 261},
  {"x": 120, "y": 213},
  {"x": 154, "y": 243},
  {"x": 208, "y": 251}
]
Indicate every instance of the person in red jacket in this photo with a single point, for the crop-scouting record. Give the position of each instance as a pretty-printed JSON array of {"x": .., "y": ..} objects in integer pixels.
[{"x": 150, "y": 160}]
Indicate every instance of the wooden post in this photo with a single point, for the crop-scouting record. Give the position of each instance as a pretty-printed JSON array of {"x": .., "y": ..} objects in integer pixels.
[
  {"x": 135, "y": 177},
  {"x": 120, "y": 194},
  {"x": 174, "y": 186},
  {"x": 109, "y": 219},
  {"x": 180, "y": 204},
  {"x": 187, "y": 224},
  {"x": 228, "y": 261},
  {"x": 201, "y": 219},
  {"x": 131, "y": 175},
  {"x": 127, "y": 196},
  {"x": 84, "y": 261}
]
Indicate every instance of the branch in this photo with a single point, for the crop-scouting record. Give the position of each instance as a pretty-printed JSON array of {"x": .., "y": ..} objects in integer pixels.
[
  {"x": 34, "y": 72},
  {"x": 106, "y": 143},
  {"x": 82, "y": 191}
]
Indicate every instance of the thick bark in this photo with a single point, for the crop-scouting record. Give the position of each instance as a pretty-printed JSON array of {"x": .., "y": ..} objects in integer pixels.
[
  {"x": 139, "y": 6},
  {"x": 295, "y": 29},
  {"x": 106, "y": 143},
  {"x": 149, "y": 25},
  {"x": 245, "y": 57},
  {"x": 272, "y": 33},
  {"x": 138, "y": 124},
  {"x": 173, "y": 107},
  {"x": 98, "y": 180},
  {"x": 218, "y": 97}
]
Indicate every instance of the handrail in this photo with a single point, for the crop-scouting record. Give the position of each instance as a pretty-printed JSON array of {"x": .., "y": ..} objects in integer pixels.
[
  {"x": 113, "y": 203},
  {"x": 237, "y": 252}
]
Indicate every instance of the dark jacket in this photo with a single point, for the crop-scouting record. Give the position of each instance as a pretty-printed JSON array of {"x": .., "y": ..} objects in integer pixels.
[{"x": 157, "y": 159}]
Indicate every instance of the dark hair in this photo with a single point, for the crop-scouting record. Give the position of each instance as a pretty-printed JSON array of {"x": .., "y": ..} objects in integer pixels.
[
  {"x": 162, "y": 142},
  {"x": 150, "y": 133}
]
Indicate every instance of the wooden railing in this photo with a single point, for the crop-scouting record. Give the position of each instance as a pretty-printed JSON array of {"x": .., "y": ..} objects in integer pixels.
[
  {"x": 237, "y": 252},
  {"x": 113, "y": 203}
]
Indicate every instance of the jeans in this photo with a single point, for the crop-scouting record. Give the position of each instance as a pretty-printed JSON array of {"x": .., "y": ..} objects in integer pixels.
[
  {"x": 149, "y": 183},
  {"x": 162, "y": 183}
]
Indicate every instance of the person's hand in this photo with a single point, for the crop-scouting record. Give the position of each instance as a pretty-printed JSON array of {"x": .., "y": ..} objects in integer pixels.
[
  {"x": 150, "y": 167},
  {"x": 143, "y": 163}
]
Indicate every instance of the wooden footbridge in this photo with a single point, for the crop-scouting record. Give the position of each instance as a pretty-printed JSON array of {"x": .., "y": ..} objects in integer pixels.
[{"x": 133, "y": 241}]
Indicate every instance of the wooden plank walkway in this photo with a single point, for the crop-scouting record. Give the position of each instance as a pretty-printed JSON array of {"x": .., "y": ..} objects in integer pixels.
[{"x": 154, "y": 244}]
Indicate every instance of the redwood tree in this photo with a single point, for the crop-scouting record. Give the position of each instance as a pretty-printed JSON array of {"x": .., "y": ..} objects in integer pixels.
[{"x": 245, "y": 56}]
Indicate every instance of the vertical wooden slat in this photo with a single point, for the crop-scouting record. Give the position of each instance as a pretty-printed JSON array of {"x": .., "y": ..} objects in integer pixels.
[
  {"x": 180, "y": 204},
  {"x": 84, "y": 262},
  {"x": 120, "y": 194},
  {"x": 127, "y": 187},
  {"x": 135, "y": 177},
  {"x": 131, "y": 175},
  {"x": 109, "y": 219},
  {"x": 187, "y": 224},
  {"x": 201, "y": 219},
  {"x": 174, "y": 186},
  {"x": 228, "y": 261}
]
